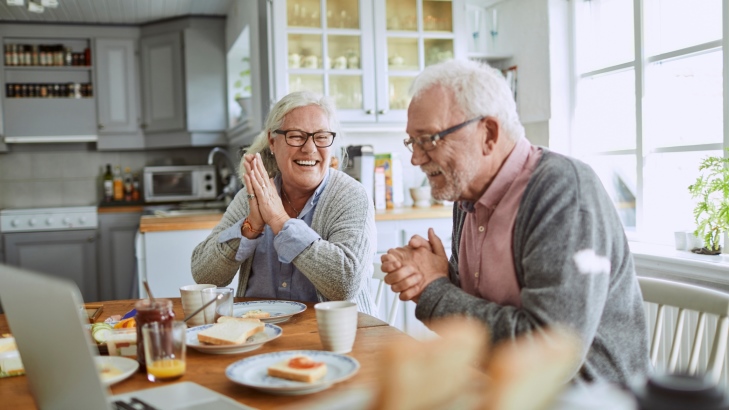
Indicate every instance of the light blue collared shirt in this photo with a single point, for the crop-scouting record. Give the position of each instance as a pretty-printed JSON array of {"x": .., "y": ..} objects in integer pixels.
[{"x": 272, "y": 273}]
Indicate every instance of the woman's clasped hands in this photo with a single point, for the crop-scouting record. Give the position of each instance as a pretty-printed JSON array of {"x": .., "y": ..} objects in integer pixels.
[{"x": 266, "y": 207}]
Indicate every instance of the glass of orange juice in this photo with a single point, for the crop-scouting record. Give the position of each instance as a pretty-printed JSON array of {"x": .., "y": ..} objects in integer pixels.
[{"x": 164, "y": 350}]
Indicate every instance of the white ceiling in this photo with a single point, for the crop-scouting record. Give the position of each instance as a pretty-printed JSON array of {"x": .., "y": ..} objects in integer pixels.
[{"x": 114, "y": 11}]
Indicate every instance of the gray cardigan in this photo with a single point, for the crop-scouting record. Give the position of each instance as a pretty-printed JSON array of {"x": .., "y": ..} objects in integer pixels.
[
  {"x": 339, "y": 265},
  {"x": 564, "y": 210}
]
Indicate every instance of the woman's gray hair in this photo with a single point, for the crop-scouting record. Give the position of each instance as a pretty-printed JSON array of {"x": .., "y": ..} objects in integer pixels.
[
  {"x": 478, "y": 89},
  {"x": 275, "y": 120}
]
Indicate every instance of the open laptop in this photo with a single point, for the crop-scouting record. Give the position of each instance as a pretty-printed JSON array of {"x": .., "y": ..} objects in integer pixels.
[{"x": 58, "y": 356}]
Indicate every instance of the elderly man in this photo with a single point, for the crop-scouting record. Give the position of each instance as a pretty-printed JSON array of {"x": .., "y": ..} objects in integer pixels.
[{"x": 536, "y": 240}]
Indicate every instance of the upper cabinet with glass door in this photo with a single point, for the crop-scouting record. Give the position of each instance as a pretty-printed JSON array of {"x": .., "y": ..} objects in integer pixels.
[{"x": 364, "y": 54}]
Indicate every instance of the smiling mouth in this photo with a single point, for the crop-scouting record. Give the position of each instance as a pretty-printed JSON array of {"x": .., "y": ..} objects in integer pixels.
[
  {"x": 309, "y": 163},
  {"x": 433, "y": 173}
]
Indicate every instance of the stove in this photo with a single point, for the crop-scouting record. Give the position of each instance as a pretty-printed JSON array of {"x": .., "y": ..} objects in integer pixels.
[
  {"x": 61, "y": 242},
  {"x": 48, "y": 219}
]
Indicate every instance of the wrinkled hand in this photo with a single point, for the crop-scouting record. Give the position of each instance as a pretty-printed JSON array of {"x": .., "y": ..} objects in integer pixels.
[
  {"x": 269, "y": 203},
  {"x": 411, "y": 268}
]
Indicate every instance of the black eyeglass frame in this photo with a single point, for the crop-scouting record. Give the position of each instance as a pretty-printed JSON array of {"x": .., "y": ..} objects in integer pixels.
[
  {"x": 409, "y": 142},
  {"x": 308, "y": 134}
]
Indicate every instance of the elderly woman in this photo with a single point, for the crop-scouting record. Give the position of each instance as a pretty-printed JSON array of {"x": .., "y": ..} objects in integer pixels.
[{"x": 300, "y": 230}]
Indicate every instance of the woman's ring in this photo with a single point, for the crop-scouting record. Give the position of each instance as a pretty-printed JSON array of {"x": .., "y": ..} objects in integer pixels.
[{"x": 250, "y": 196}]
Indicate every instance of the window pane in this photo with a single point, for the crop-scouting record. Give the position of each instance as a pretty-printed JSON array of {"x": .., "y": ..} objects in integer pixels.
[
  {"x": 402, "y": 54},
  {"x": 667, "y": 204},
  {"x": 398, "y": 89},
  {"x": 305, "y": 51},
  {"x": 683, "y": 102},
  {"x": 303, "y": 13},
  {"x": 604, "y": 33},
  {"x": 402, "y": 15},
  {"x": 437, "y": 51},
  {"x": 306, "y": 82},
  {"x": 618, "y": 176},
  {"x": 605, "y": 113},
  {"x": 344, "y": 53},
  {"x": 676, "y": 24},
  {"x": 342, "y": 14},
  {"x": 346, "y": 90},
  {"x": 437, "y": 16}
]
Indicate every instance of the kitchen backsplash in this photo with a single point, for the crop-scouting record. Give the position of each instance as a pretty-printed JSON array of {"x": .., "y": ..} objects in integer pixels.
[
  {"x": 34, "y": 176},
  {"x": 61, "y": 175}
]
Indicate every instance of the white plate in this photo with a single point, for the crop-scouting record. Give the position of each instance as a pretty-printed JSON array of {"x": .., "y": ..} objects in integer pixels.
[
  {"x": 123, "y": 367},
  {"x": 254, "y": 342},
  {"x": 253, "y": 372},
  {"x": 280, "y": 310}
]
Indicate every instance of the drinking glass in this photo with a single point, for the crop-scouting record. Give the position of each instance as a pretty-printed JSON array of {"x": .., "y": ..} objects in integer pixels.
[{"x": 164, "y": 350}]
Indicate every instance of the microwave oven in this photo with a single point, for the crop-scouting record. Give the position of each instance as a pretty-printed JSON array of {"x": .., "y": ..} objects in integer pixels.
[{"x": 180, "y": 183}]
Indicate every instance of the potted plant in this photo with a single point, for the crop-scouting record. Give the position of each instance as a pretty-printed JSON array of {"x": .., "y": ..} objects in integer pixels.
[
  {"x": 242, "y": 87},
  {"x": 712, "y": 211}
]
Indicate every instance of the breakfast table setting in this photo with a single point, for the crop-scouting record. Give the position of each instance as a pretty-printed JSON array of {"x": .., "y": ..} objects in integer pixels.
[{"x": 235, "y": 371}]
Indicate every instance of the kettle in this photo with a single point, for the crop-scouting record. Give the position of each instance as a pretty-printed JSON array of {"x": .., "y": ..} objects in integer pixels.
[{"x": 360, "y": 165}]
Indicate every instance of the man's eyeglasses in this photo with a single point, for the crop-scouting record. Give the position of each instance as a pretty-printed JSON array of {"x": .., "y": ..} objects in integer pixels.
[
  {"x": 297, "y": 138},
  {"x": 428, "y": 143}
]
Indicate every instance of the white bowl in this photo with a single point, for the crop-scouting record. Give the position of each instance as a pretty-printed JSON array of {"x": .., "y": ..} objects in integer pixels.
[{"x": 421, "y": 196}]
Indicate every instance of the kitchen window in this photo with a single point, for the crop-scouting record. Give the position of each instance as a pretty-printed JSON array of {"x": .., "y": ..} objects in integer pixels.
[{"x": 648, "y": 108}]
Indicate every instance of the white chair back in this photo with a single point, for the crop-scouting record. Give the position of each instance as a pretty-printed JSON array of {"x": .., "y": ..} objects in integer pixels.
[
  {"x": 692, "y": 298},
  {"x": 381, "y": 286}
]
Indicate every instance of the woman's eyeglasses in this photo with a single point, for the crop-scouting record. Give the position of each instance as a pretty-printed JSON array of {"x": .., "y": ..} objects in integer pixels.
[{"x": 297, "y": 138}]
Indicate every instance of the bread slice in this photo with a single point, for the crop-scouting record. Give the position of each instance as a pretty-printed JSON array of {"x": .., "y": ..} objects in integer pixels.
[
  {"x": 285, "y": 370},
  {"x": 232, "y": 332},
  {"x": 7, "y": 344},
  {"x": 223, "y": 319},
  {"x": 257, "y": 313}
]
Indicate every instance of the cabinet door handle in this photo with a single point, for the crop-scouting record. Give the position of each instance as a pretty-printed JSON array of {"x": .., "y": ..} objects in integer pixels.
[
  {"x": 101, "y": 126},
  {"x": 91, "y": 239},
  {"x": 382, "y": 112},
  {"x": 144, "y": 126},
  {"x": 369, "y": 112}
]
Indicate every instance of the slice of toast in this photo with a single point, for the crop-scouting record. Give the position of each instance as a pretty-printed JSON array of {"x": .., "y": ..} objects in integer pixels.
[
  {"x": 232, "y": 332},
  {"x": 257, "y": 313},
  {"x": 310, "y": 373}
]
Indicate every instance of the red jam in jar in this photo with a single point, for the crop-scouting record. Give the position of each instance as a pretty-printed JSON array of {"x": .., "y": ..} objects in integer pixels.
[{"x": 148, "y": 311}]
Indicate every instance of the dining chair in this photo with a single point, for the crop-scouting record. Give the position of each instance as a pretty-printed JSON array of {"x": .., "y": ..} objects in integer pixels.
[
  {"x": 688, "y": 297},
  {"x": 379, "y": 296}
]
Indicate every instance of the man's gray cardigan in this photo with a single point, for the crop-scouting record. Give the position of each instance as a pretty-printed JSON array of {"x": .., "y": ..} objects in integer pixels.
[
  {"x": 564, "y": 210},
  {"x": 339, "y": 266}
]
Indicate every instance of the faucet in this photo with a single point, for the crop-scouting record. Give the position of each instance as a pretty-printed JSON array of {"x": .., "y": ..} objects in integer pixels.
[{"x": 233, "y": 185}]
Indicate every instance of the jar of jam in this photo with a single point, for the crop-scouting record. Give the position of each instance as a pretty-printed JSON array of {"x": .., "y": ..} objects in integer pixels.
[{"x": 149, "y": 311}]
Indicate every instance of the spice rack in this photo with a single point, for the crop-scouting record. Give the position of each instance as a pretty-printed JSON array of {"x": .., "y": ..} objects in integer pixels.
[{"x": 48, "y": 86}]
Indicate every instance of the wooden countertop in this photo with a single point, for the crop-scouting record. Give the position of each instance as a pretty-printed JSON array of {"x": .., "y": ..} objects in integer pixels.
[{"x": 155, "y": 223}]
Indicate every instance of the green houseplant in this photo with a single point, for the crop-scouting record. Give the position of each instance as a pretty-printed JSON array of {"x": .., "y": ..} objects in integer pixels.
[
  {"x": 712, "y": 211},
  {"x": 242, "y": 87}
]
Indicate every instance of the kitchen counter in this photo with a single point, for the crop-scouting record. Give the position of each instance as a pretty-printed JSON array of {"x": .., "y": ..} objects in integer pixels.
[{"x": 160, "y": 223}]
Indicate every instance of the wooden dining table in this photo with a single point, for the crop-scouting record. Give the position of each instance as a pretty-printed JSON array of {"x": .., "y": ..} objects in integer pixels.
[{"x": 299, "y": 333}]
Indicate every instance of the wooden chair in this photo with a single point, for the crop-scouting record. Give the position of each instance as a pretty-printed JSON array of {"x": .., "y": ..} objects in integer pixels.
[
  {"x": 381, "y": 287},
  {"x": 695, "y": 298}
]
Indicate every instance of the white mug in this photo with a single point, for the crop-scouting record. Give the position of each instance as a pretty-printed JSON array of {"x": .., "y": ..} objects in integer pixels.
[
  {"x": 192, "y": 299},
  {"x": 311, "y": 62},
  {"x": 337, "y": 323},
  {"x": 294, "y": 60},
  {"x": 340, "y": 63}
]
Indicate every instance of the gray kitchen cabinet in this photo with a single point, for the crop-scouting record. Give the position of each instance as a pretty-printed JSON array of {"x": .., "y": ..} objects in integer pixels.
[
  {"x": 65, "y": 254},
  {"x": 117, "y": 261},
  {"x": 183, "y": 83},
  {"x": 117, "y": 96}
]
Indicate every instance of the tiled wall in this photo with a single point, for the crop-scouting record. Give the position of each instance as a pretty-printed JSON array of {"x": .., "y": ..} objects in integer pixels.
[{"x": 70, "y": 175}]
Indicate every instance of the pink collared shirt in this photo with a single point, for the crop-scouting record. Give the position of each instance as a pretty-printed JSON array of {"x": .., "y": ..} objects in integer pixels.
[{"x": 486, "y": 257}]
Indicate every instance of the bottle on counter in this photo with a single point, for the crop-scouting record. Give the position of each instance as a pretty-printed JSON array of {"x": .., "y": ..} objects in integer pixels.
[
  {"x": 135, "y": 188},
  {"x": 128, "y": 186},
  {"x": 108, "y": 184},
  {"x": 118, "y": 184}
]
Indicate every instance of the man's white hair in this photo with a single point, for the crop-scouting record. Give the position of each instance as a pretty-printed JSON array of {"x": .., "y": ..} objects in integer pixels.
[{"x": 478, "y": 89}]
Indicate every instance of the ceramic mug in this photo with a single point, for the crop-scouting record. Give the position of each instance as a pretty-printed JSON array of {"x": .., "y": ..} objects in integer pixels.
[
  {"x": 340, "y": 63},
  {"x": 294, "y": 61}
]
